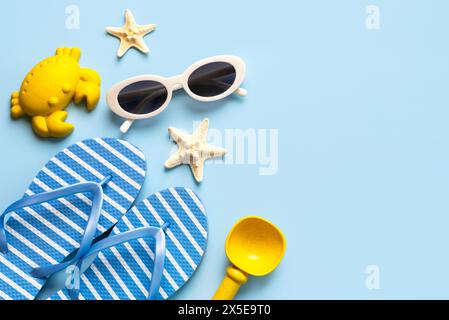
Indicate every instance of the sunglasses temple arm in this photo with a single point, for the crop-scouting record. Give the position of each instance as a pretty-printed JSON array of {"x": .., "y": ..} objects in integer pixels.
[
  {"x": 126, "y": 126},
  {"x": 241, "y": 92}
]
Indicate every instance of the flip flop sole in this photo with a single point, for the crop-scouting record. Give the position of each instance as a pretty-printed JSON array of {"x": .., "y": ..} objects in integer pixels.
[
  {"x": 124, "y": 272},
  {"x": 44, "y": 234}
]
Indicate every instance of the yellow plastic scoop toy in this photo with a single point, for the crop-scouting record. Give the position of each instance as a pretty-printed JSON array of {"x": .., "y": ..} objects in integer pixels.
[{"x": 255, "y": 247}]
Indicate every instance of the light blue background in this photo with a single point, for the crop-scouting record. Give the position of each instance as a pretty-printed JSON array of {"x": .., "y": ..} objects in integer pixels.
[{"x": 363, "y": 130}]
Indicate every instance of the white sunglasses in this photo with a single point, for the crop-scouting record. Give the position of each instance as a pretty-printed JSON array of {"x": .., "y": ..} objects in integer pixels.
[{"x": 146, "y": 96}]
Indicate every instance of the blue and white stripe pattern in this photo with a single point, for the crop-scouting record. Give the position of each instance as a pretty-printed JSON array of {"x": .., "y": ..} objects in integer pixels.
[
  {"x": 124, "y": 272},
  {"x": 44, "y": 234}
]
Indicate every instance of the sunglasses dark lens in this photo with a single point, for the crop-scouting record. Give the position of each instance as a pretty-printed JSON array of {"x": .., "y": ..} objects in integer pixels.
[
  {"x": 212, "y": 79},
  {"x": 143, "y": 97}
]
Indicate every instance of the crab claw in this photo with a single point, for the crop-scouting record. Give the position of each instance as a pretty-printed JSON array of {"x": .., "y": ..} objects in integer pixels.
[
  {"x": 88, "y": 88},
  {"x": 57, "y": 127}
]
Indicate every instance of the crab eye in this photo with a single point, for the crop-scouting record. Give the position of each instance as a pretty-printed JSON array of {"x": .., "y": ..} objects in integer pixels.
[{"x": 66, "y": 88}]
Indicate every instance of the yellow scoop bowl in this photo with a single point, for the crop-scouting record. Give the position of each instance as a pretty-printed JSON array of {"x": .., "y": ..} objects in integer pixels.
[{"x": 255, "y": 247}]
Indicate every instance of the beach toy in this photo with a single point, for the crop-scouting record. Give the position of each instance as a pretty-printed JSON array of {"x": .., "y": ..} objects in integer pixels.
[
  {"x": 255, "y": 247},
  {"x": 79, "y": 194},
  {"x": 193, "y": 150},
  {"x": 49, "y": 88},
  {"x": 131, "y": 34}
]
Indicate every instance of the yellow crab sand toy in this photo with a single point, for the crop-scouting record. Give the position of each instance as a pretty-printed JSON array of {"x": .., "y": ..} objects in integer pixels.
[{"x": 49, "y": 88}]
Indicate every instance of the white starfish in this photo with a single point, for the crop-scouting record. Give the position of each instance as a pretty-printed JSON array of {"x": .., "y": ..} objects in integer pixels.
[
  {"x": 193, "y": 149},
  {"x": 131, "y": 34}
]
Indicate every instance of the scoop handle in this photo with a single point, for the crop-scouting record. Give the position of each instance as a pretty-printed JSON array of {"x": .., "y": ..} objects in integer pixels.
[{"x": 231, "y": 284}]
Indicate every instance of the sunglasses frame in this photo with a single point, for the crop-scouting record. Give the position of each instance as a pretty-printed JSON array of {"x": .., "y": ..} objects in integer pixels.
[{"x": 173, "y": 84}]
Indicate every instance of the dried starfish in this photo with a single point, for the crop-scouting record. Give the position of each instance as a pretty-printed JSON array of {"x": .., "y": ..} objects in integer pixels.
[
  {"x": 193, "y": 149},
  {"x": 131, "y": 34}
]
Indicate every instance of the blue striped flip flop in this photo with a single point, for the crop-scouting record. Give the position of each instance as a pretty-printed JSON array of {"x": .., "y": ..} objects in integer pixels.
[
  {"x": 151, "y": 253},
  {"x": 79, "y": 194}
]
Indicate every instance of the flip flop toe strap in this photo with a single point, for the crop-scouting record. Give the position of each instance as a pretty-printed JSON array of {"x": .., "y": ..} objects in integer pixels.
[
  {"x": 96, "y": 189},
  {"x": 156, "y": 233},
  {"x": 89, "y": 233}
]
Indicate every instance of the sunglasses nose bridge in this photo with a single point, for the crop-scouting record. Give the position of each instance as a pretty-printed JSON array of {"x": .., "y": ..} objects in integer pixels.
[{"x": 176, "y": 83}]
